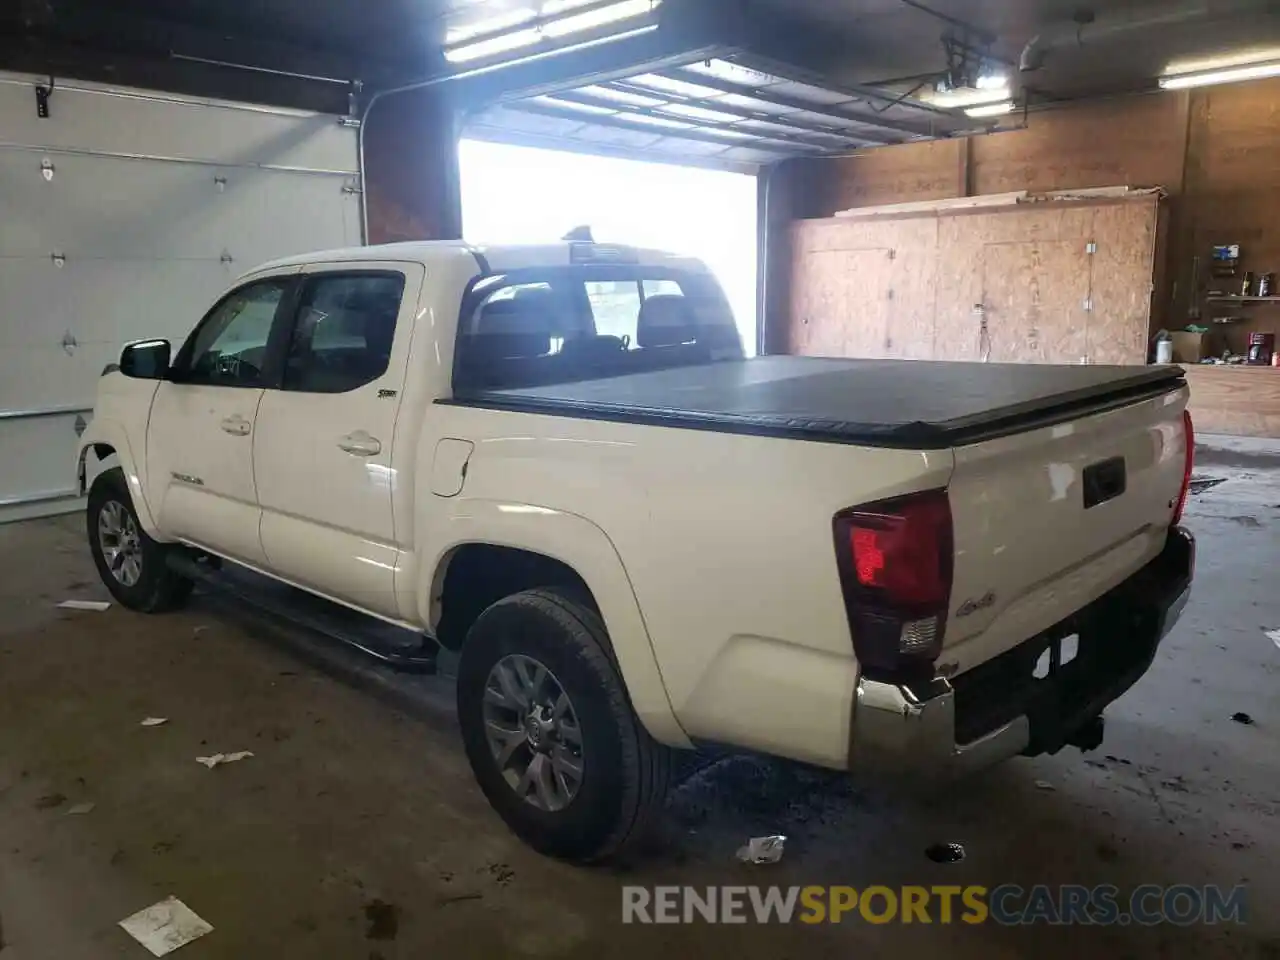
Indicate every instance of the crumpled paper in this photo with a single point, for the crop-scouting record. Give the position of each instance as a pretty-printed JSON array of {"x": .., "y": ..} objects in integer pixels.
[{"x": 218, "y": 759}]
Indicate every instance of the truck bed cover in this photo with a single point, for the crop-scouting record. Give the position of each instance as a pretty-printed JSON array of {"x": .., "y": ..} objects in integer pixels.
[{"x": 907, "y": 404}]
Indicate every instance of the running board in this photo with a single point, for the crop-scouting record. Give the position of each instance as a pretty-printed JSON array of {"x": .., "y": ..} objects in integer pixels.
[{"x": 392, "y": 646}]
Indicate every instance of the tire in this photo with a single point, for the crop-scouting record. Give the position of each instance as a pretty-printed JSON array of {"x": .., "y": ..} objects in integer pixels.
[
  {"x": 154, "y": 587},
  {"x": 624, "y": 771}
]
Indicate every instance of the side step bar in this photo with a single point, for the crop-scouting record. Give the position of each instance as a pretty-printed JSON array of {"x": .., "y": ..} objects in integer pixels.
[{"x": 392, "y": 646}]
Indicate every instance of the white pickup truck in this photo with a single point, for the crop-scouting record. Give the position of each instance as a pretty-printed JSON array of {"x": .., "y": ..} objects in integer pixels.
[{"x": 555, "y": 461}]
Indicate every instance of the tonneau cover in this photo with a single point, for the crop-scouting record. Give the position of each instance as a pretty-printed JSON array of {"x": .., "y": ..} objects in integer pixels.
[{"x": 887, "y": 403}]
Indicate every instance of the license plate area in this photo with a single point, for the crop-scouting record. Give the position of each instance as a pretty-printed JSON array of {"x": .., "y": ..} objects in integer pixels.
[
  {"x": 1053, "y": 677},
  {"x": 1057, "y": 655},
  {"x": 1118, "y": 636}
]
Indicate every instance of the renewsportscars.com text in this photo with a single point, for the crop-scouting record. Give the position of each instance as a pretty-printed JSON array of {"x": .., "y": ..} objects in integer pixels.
[{"x": 1007, "y": 905}]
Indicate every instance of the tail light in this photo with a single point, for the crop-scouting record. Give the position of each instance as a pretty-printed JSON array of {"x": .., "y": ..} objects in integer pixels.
[
  {"x": 1188, "y": 463},
  {"x": 895, "y": 559}
]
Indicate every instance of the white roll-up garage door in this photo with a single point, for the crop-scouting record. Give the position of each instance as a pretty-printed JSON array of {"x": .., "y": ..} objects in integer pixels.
[{"x": 123, "y": 215}]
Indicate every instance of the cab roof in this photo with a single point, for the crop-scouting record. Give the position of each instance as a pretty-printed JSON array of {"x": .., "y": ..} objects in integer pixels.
[{"x": 494, "y": 258}]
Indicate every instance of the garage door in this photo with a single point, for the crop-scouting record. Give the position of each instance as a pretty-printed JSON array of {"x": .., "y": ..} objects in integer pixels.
[{"x": 124, "y": 215}]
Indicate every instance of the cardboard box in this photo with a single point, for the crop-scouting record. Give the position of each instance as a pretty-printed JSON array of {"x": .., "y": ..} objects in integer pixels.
[{"x": 1192, "y": 347}]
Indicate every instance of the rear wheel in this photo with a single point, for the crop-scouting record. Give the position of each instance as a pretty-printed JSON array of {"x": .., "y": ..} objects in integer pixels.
[
  {"x": 131, "y": 564},
  {"x": 550, "y": 734}
]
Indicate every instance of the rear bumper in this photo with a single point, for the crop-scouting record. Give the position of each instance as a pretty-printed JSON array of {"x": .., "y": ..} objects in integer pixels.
[{"x": 1000, "y": 709}]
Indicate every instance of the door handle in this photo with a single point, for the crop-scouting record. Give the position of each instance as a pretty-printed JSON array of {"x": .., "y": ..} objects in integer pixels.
[
  {"x": 237, "y": 426},
  {"x": 360, "y": 444}
]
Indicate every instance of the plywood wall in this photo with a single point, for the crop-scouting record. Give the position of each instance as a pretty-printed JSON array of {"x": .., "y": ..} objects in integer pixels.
[
  {"x": 1014, "y": 284},
  {"x": 933, "y": 170},
  {"x": 1216, "y": 151},
  {"x": 1232, "y": 190},
  {"x": 1138, "y": 141},
  {"x": 864, "y": 288},
  {"x": 1121, "y": 285}
]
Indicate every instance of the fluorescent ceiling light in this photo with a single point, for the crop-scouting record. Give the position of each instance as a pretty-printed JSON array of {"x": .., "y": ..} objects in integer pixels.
[
  {"x": 554, "y": 19},
  {"x": 1237, "y": 58},
  {"x": 494, "y": 24},
  {"x": 552, "y": 7},
  {"x": 490, "y": 46},
  {"x": 700, "y": 113},
  {"x": 991, "y": 110},
  {"x": 602, "y": 16},
  {"x": 969, "y": 97},
  {"x": 535, "y": 56},
  {"x": 1256, "y": 71}
]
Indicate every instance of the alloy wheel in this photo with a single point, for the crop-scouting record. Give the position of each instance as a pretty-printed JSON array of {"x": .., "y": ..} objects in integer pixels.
[
  {"x": 120, "y": 542},
  {"x": 533, "y": 732}
]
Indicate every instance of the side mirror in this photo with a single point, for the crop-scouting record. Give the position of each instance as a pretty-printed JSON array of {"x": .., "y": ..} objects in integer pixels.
[{"x": 145, "y": 360}]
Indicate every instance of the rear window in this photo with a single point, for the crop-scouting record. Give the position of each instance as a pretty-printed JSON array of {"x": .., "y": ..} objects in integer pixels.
[{"x": 546, "y": 326}]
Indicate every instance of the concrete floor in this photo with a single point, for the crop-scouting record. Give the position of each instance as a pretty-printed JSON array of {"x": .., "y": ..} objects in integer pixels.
[{"x": 357, "y": 815}]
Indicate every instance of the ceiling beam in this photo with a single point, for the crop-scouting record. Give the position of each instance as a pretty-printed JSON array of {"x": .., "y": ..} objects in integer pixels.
[
  {"x": 820, "y": 58},
  {"x": 935, "y": 121},
  {"x": 789, "y": 71},
  {"x": 981, "y": 33},
  {"x": 783, "y": 148},
  {"x": 873, "y": 121},
  {"x": 801, "y": 129},
  {"x": 105, "y": 31},
  {"x": 688, "y": 31},
  {"x": 82, "y": 62}
]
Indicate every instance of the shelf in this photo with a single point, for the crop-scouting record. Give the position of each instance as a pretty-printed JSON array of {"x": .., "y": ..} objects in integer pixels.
[
  {"x": 1247, "y": 367},
  {"x": 1243, "y": 299}
]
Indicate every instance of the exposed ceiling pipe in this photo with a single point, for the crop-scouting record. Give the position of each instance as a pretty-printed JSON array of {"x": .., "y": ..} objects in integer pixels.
[
  {"x": 1087, "y": 28},
  {"x": 985, "y": 36}
]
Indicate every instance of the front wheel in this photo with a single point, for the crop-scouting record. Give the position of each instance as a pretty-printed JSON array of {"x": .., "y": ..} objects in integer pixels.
[
  {"x": 130, "y": 563},
  {"x": 550, "y": 733}
]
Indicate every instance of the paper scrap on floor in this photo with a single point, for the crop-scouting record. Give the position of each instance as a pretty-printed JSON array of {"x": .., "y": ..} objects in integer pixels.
[
  {"x": 762, "y": 850},
  {"x": 1274, "y": 637},
  {"x": 80, "y": 809},
  {"x": 165, "y": 926},
  {"x": 95, "y": 605},
  {"x": 218, "y": 759},
  {"x": 155, "y": 721}
]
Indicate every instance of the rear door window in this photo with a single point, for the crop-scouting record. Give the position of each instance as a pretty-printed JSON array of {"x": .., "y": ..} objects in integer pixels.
[
  {"x": 559, "y": 325},
  {"x": 343, "y": 331},
  {"x": 615, "y": 307}
]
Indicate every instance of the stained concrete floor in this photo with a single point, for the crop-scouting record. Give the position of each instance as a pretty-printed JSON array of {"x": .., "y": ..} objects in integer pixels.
[{"x": 355, "y": 830}]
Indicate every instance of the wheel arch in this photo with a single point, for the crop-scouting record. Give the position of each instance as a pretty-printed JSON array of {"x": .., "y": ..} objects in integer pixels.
[
  {"x": 104, "y": 439},
  {"x": 536, "y": 543},
  {"x": 474, "y": 576}
]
